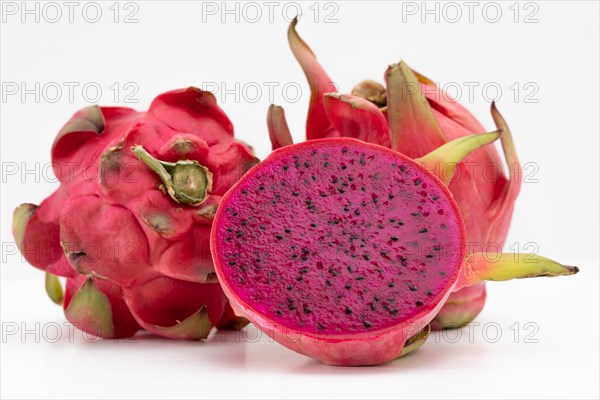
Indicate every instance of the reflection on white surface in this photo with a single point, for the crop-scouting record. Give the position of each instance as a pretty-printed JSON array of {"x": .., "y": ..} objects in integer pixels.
[{"x": 39, "y": 360}]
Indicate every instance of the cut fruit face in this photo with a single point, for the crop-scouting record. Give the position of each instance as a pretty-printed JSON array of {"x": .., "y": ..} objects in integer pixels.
[{"x": 338, "y": 237}]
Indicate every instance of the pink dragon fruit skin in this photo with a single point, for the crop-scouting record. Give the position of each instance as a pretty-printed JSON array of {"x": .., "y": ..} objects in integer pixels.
[
  {"x": 486, "y": 203},
  {"x": 132, "y": 241}
]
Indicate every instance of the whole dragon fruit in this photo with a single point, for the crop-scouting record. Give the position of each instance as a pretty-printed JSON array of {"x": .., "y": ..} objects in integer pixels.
[
  {"x": 129, "y": 225},
  {"x": 422, "y": 118}
]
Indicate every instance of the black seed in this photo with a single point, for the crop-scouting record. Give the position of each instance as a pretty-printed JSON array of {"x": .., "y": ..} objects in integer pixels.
[
  {"x": 391, "y": 284},
  {"x": 235, "y": 214},
  {"x": 313, "y": 225},
  {"x": 419, "y": 303},
  {"x": 278, "y": 312},
  {"x": 239, "y": 234},
  {"x": 423, "y": 230},
  {"x": 394, "y": 311},
  {"x": 289, "y": 287},
  {"x": 437, "y": 247},
  {"x": 435, "y": 198},
  {"x": 306, "y": 164},
  {"x": 262, "y": 227},
  {"x": 429, "y": 256},
  {"x": 400, "y": 223},
  {"x": 232, "y": 262},
  {"x": 304, "y": 270},
  {"x": 286, "y": 167},
  {"x": 244, "y": 192},
  {"x": 367, "y": 324},
  {"x": 392, "y": 220},
  {"x": 326, "y": 164},
  {"x": 442, "y": 273},
  {"x": 287, "y": 230},
  {"x": 278, "y": 237},
  {"x": 415, "y": 214},
  {"x": 391, "y": 196},
  {"x": 360, "y": 278},
  {"x": 312, "y": 153},
  {"x": 376, "y": 298},
  {"x": 348, "y": 286},
  {"x": 329, "y": 283},
  {"x": 299, "y": 278},
  {"x": 244, "y": 223},
  {"x": 320, "y": 326},
  {"x": 243, "y": 268},
  {"x": 295, "y": 194},
  {"x": 307, "y": 310},
  {"x": 362, "y": 188},
  {"x": 429, "y": 293},
  {"x": 261, "y": 187},
  {"x": 417, "y": 181},
  {"x": 412, "y": 288},
  {"x": 348, "y": 311},
  {"x": 394, "y": 238},
  {"x": 357, "y": 212},
  {"x": 403, "y": 168}
]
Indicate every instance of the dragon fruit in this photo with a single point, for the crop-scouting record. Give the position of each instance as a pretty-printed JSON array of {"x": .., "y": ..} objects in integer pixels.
[
  {"x": 129, "y": 225},
  {"x": 421, "y": 118},
  {"x": 345, "y": 251}
]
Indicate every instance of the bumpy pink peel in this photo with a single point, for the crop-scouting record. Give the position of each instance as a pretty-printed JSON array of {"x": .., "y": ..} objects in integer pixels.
[{"x": 112, "y": 230}]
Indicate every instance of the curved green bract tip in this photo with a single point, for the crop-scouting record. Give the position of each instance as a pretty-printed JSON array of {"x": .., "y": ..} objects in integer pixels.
[
  {"x": 90, "y": 311},
  {"x": 442, "y": 161},
  {"x": 408, "y": 109},
  {"x": 480, "y": 267},
  {"x": 88, "y": 119},
  {"x": 21, "y": 217},
  {"x": 416, "y": 341},
  {"x": 195, "y": 327},
  {"x": 54, "y": 288}
]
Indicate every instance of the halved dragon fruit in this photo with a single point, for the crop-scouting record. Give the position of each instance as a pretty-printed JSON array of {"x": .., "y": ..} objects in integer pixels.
[{"x": 345, "y": 251}]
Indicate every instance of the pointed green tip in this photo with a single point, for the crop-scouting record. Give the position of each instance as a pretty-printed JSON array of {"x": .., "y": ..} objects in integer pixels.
[
  {"x": 416, "y": 341},
  {"x": 195, "y": 327},
  {"x": 443, "y": 160},
  {"x": 90, "y": 310},
  {"x": 21, "y": 217},
  {"x": 54, "y": 288},
  {"x": 498, "y": 267}
]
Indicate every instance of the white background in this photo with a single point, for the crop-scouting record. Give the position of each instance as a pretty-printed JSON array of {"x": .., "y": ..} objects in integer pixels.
[{"x": 175, "y": 44}]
